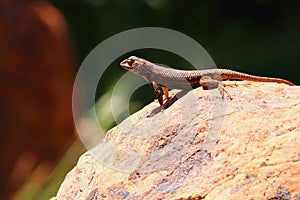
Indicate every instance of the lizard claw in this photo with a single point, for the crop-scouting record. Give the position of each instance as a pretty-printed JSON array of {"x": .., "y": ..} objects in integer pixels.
[{"x": 222, "y": 90}]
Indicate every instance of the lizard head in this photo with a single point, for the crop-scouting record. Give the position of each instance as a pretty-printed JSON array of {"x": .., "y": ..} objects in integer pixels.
[
  {"x": 139, "y": 66},
  {"x": 135, "y": 64}
]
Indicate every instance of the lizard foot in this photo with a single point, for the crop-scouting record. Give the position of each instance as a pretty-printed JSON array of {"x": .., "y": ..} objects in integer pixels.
[{"x": 221, "y": 88}]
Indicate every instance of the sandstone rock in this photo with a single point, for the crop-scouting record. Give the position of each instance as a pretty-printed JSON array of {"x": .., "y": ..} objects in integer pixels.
[{"x": 202, "y": 147}]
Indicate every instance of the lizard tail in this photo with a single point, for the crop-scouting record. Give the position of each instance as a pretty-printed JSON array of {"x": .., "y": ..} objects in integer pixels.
[{"x": 247, "y": 77}]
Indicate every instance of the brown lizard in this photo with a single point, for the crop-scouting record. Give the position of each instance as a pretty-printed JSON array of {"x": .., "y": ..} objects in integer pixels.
[{"x": 162, "y": 79}]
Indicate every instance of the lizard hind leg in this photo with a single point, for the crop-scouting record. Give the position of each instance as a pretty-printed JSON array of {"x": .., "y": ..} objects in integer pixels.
[
  {"x": 222, "y": 90},
  {"x": 209, "y": 83}
]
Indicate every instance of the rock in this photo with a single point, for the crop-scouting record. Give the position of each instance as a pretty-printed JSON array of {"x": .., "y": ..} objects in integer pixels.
[{"x": 201, "y": 147}]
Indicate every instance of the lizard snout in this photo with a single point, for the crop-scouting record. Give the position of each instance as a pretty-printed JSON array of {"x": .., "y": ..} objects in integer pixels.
[{"x": 127, "y": 63}]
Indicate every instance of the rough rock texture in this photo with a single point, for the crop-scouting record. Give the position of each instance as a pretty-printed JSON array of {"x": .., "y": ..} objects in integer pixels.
[{"x": 202, "y": 147}]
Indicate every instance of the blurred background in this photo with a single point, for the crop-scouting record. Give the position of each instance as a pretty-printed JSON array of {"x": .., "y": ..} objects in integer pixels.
[{"x": 43, "y": 43}]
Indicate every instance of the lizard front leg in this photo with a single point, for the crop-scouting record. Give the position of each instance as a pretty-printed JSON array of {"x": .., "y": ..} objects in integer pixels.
[
  {"x": 210, "y": 83},
  {"x": 157, "y": 91},
  {"x": 165, "y": 91}
]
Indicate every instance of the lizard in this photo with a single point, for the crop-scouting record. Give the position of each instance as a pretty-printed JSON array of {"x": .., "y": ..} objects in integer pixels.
[{"x": 162, "y": 79}]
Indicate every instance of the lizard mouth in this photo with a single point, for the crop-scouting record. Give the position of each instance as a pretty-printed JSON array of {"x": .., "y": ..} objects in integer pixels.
[{"x": 127, "y": 63}]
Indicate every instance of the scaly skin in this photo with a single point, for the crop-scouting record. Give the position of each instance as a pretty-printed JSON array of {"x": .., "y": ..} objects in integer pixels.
[{"x": 162, "y": 78}]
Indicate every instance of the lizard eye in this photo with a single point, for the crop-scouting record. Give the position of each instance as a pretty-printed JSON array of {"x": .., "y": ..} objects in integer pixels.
[{"x": 130, "y": 62}]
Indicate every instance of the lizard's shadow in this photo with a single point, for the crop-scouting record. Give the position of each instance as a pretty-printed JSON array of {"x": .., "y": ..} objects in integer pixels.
[
  {"x": 168, "y": 103},
  {"x": 172, "y": 100}
]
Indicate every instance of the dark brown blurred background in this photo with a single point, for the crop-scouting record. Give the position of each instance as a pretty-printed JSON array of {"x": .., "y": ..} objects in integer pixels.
[
  {"x": 37, "y": 72},
  {"x": 42, "y": 44}
]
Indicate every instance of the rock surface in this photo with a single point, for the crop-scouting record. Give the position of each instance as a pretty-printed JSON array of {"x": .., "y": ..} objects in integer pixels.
[{"x": 202, "y": 147}]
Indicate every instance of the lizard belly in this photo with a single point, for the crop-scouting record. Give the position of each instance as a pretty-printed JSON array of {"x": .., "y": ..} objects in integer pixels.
[{"x": 179, "y": 84}]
